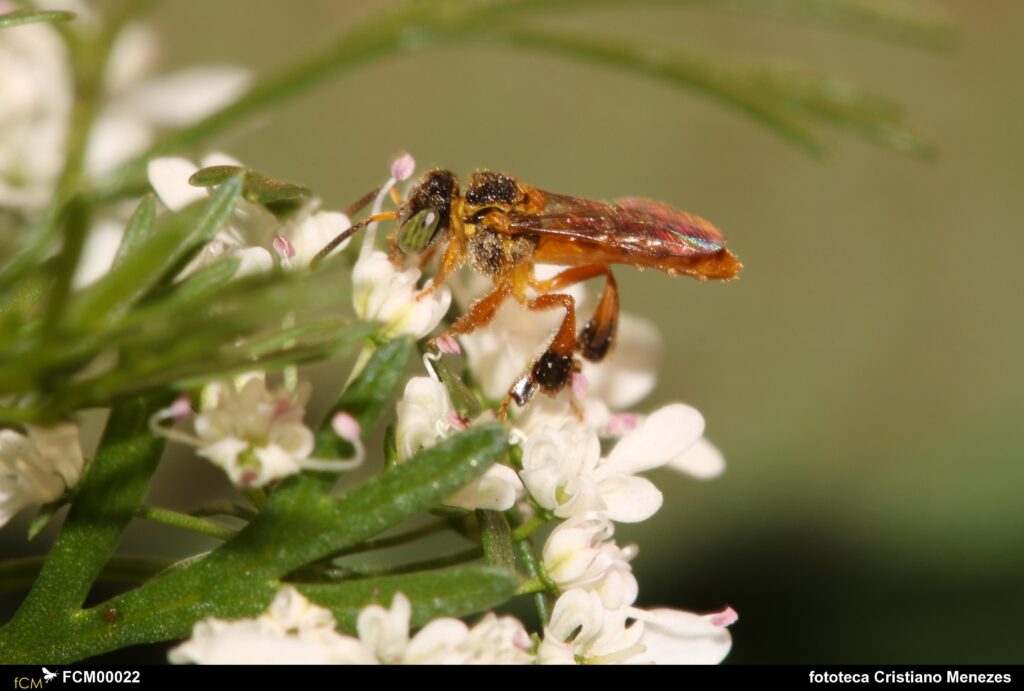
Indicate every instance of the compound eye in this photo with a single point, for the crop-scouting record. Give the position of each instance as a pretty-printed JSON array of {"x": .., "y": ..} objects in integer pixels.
[{"x": 416, "y": 233}]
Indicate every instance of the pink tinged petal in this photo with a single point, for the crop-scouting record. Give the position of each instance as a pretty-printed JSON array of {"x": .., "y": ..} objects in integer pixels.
[
  {"x": 169, "y": 179},
  {"x": 181, "y": 409},
  {"x": 459, "y": 423},
  {"x": 620, "y": 423},
  {"x": 703, "y": 461},
  {"x": 403, "y": 167},
  {"x": 664, "y": 435},
  {"x": 630, "y": 499},
  {"x": 579, "y": 385},
  {"x": 684, "y": 638},
  {"x": 448, "y": 345},
  {"x": 727, "y": 617},
  {"x": 284, "y": 247},
  {"x": 346, "y": 426}
]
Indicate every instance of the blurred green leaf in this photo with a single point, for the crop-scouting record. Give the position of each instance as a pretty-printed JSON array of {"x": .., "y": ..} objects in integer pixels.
[
  {"x": 921, "y": 21},
  {"x": 148, "y": 263},
  {"x": 464, "y": 401},
  {"x": 19, "y": 17},
  {"x": 784, "y": 99},
  {"x": 137, "y": 231}
]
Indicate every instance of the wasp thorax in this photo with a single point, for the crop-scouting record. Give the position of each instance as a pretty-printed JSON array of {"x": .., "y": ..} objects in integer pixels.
[{"x": 418, "y": 231}]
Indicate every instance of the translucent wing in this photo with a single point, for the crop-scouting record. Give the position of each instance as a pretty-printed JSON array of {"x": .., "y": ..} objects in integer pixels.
[{"x": 630, "y": 226}]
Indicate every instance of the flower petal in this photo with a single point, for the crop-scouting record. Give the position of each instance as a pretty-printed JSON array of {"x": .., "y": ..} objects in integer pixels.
[
  {"x": 703, "y": 461},
  {"x": 676, "y": 637},
  {"x": 630, "y": 499},
  {"x": 663, "y": 436}
]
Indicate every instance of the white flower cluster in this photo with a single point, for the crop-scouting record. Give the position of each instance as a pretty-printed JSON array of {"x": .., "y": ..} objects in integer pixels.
[
  {"x": 565, "y": 472},
  {"x": 37, "y": 467},
  {"x": 295, "y": 631}
]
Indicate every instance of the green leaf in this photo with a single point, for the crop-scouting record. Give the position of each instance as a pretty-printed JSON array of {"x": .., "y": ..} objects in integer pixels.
[
  {"x": 464, "y": 401},
  {"x": 20, "y": 17},
  {"x": 212, "y": 176},
  {"x": 496, "y": 536},
  {"x": 262, "y": 189},
  {"x": 452, "y": 592},
  {"x": 164, "y": 248},
  {"x": 137, "y": 231},
  {"x": 259, "y": 187},
  {"x": 367, "y": 398}
]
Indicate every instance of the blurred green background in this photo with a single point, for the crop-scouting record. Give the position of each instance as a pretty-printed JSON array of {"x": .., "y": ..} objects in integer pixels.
[{"x": 863, "y": 378}]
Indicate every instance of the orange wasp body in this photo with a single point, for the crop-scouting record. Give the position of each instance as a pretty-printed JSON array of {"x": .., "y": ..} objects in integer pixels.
[{"x": 503, "y": 226}]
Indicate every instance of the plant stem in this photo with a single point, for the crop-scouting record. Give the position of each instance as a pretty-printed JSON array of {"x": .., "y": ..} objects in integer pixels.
[
  {"x": 185, "y": 522},
  {"x": 528, "y": 528},
  {"x": 224, "y": 508},
  {"x": 534, "y": 570}
]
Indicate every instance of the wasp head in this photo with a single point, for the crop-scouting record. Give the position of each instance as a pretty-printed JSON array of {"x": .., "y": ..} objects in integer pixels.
[{"x": 426, "y": 213}]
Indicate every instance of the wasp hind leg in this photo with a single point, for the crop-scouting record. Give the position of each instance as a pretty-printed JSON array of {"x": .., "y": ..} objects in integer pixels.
[{"x": 597, "y": 337}]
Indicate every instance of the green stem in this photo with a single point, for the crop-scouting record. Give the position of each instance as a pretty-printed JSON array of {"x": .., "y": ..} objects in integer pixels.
[
  {"x": 185, "y": 522},
  {"x": 532, "y": 585},
  {"x": 534, "y": 570},
  {"x": 224, "y": 508},
  {"x": 16, "y": 574},
  {"x": 496, "y": 539},
  {"x": 528, "y": 528}
]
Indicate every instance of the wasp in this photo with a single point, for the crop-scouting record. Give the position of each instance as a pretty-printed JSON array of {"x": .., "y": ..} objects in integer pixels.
[{"x": 502, "y": 227}]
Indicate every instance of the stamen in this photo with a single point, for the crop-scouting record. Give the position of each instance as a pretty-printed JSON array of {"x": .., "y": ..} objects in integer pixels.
[
  {"x": 448, "y": 345},
  {"x": 346, "y": 427},
  {"x": 620, "y": 423},
  {"x": 403, "y": 167},
  {"x": 284, "y": 247}
]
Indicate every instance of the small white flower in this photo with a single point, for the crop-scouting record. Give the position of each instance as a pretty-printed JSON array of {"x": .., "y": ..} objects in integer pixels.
[
  {"x": 580, "y": 553},
  {"x": 38, "y": 467},
  {"x": 245, "y": 238},
  {"x": 291, "y": 631},
  {"x": 565, "y": 473},
  {"x": 385, "y": 632},
  {"x": 389, "y": 295},
  {"x": 255, "y": 435},
  {"x": 675, "y": 637},
  {"x": 425, "y": 416},
  {"x": 302, "y": 238},
  {"x": 582, "y": 630}
]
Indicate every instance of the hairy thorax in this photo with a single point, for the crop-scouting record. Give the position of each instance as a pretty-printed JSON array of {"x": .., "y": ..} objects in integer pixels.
[{"x": 493, "y": 253}]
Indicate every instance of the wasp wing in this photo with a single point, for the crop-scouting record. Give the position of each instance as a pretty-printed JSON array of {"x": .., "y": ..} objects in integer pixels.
[{"x": 631, "y": 226}]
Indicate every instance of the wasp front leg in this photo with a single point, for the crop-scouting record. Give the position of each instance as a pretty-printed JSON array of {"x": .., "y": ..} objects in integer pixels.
[{"x": 596, "y": 340}]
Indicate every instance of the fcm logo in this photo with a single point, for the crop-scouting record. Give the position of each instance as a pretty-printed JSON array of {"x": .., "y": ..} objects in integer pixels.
[{"x": 27, "y": 683}]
